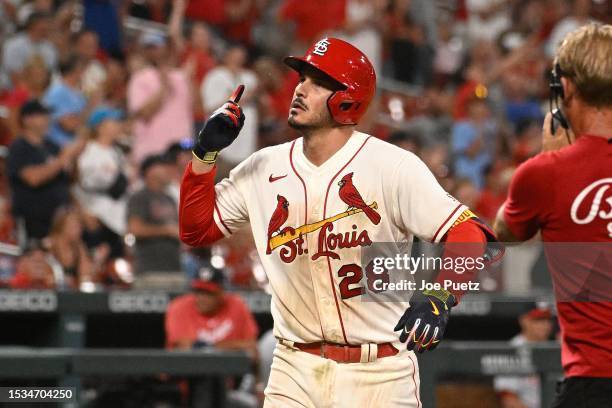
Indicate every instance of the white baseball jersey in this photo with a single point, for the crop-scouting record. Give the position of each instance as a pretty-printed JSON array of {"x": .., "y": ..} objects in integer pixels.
[{"x": 310, "y": 234}]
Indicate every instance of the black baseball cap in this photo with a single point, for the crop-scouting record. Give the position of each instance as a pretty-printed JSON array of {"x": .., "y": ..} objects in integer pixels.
[
  {"x": 33, "y": 107},
  {"x": 152, "y": 160},
  {"x": 210, "y": 280}
]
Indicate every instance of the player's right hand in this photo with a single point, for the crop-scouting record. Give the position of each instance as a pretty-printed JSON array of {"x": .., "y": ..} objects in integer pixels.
[{"x": 221, "y": 129}]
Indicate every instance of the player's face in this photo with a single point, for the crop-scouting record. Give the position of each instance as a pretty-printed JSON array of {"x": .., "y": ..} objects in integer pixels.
[{"x": 308, "y": 109}]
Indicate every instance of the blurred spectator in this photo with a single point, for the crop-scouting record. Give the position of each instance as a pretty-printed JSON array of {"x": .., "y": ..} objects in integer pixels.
[
  {"x": 7, "y": 17},
  {"x": 179, "y": 155},
  {"x": 474, "y": 142},
  {"x": 211, "y": 11},
  {"x": 276, "y": 85},
  {"x": 194, "y": 259},
  {"x": 94, "y": 73},
  {"x": 8, "y": 240},
  {"x": 7, "y": 224},
  {"x": 432, "y": 119},
  {"x": 361, "y": 28},
  {"x": 466, "y": 192},
  {"x": 152, "y": 218},
  {"x": 29, "y": 83},
  {"x": 115, "y": 85},
  {"x": 26, "y": 8},
  {"x": 159, "y": 96},
  {"x": 307, "y": 20},
  {"x": 519, "y": 106},
  {"x": 66, "y": 102},
  {"x": 477, "y": 73},
  {"x": 194, "y": 53},
  {"x": 488, "y": 18},
  {"x": 103, "y": 180},
  {"x": 437, "y": 159},
  {"x": 579, "y": 16},
  {"x": 407, "y": 141},
  {"x": 33, "y": 270},
  {"x": 68, "y": 254},
  {"x": 34, "y": 40},
  {"x": 210, "y": 317},
  {"x": 409, "y": 39},
  {"x": 103, "y": 17},
  {"x": 6, "y": 135},
  {"x": 524, "y": 392},
  {"x": 219, "y": 85},
  {"x": 38, "y": 171},
  {"x": 494, "y": 193},
  {"x": 241, "y": 16},
  {"x": 240, "y": 259},
  {"x": 528, "y": 141},
  {"x": 449, "y": 52},
  {"x": 65, "y": 17},
  {"x": 153, "y": 10}
]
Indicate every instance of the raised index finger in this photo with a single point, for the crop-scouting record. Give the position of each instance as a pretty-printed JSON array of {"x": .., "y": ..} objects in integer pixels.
[{"x": 237, "y": 94}]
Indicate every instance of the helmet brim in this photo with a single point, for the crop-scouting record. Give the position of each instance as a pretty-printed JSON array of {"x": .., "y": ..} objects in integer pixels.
[{"x": 299, "y": 64}]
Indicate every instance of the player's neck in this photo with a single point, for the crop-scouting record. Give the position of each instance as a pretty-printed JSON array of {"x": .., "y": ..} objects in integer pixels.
[{"x": 320, "y": 145}]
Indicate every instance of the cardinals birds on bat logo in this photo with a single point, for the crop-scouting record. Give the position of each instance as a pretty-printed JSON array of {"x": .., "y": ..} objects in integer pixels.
[
  {"x": 349, "y": 194},
  {"x": 292, "y": 238},
  {"x": 279, "y": 216}
]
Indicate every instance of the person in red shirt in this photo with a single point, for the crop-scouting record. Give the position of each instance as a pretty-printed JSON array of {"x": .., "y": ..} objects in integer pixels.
[
  {"x": 210, "y": 11},
  {"x": 32, "y": 269},
  {"x": 210, "y": 317},
  {"x": 564, "y": 192},
  {"x": 308, "y": 17}
]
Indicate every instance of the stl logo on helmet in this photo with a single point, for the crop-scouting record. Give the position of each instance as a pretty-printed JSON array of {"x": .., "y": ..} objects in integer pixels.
[
  {"x": 320, "y": 47},
  {"x": 291, "y": 240}
]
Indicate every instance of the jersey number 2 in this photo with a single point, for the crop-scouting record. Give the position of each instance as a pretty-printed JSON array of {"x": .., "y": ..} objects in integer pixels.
[{"x": 352, "y": 275}]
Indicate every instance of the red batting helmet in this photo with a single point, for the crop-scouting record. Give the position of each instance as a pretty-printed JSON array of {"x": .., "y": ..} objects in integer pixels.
[{"x": 350, "y": 68}]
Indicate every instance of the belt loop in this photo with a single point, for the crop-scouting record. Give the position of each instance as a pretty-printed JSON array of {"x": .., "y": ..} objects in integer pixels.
[
  {"x": 323, "y": 349},
  {"x": 346, "y": 354},
  {"x": 365, "y": 353},
  {"x": 287, "y": 343},
  {"x": 373, "y": 353}
]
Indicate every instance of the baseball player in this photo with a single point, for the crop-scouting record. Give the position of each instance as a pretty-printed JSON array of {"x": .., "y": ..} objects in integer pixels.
[
  {"x": 565, "y": 193},
  {"x": 313, "y": 205}
]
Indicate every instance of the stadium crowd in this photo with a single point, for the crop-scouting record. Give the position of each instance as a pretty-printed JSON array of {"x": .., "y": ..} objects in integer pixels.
[{"x": 99, "y": 101}]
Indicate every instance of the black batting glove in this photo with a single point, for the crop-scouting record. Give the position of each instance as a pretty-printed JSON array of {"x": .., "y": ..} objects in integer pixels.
[
  {"x": 220, "y": 130},
  {"x": 423, "y": 323}
]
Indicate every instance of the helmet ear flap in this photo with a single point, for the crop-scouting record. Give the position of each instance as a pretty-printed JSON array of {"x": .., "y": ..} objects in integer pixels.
[{"x": 342, "y": 107}]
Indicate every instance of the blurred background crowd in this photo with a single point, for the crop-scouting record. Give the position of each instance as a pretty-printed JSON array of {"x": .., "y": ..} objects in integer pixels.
[{"x": 99, "y": 101}]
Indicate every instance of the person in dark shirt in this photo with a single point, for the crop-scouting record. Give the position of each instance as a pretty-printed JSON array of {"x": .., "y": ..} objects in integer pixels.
[
  {"x": 152, "y": 218},
  {"x": 38, "y": 171}
]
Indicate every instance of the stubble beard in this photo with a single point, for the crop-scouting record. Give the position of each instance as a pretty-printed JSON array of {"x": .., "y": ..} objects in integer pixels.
[{"x": 322, "y": 120}]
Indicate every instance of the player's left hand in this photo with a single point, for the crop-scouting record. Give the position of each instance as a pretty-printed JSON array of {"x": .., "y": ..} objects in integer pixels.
[{"x": 423, "y": 323}]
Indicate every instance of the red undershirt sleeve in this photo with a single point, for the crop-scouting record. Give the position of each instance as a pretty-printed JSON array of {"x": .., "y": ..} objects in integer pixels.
[
  {"x": 196, "y": 209},
  {"x": 465, "y": 240}
]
